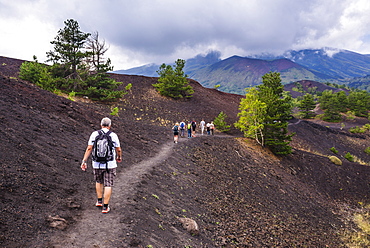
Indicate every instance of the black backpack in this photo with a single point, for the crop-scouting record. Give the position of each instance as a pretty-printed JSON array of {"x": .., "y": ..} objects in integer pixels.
[
  {"x": 103, "y": 148},
  {"x": 176, "y": 129}
]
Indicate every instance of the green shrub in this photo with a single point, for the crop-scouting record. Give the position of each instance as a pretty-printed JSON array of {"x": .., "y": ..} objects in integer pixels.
[
  {"x": 356, "y": 130},
  {"x": 71, "y": 95},
  {"x": 366, "y": 127},
  {"x": 173, "y": 81},
  {"x": 128, "y": 87},
  {"x": 335, "y": 160},
  {"x": 350, "y": 115},
  {"x": 57, "y": 92},
  {"x": 114, "y": 111},
  {"x": 367, "y": 150},
  {"x": 38, "y": 74},
  {"x": 334, "y": 150},
  {"x": 220, "y": 122},
  {"x": 349, "y": 157}
]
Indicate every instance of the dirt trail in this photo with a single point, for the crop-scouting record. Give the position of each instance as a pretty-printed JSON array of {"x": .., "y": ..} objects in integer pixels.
[{"x": 95, "y": 229}]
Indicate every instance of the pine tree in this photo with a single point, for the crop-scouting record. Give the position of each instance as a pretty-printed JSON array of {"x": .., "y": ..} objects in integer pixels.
[
  {"x": 342, "y": 101},
  {"x": 278, "y": 112},
  {"x": 220, "y": 122},
  {"x": 307, "y": 105},
  {"x": 264, "y": 114},
  {"x": 359, "y": 103},
  {"x": 69, "y": 47},
  {"x": 329, "y": 102},
  {"x": 76, "y": 67},
  {"x": 172, "y": 81}
]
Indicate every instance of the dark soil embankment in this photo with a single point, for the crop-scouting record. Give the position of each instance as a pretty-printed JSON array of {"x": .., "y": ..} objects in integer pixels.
[{"x": 240, "y": 194}]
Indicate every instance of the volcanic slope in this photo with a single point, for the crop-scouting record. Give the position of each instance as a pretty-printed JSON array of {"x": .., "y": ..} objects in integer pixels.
[{"x": 239, "y": 194}]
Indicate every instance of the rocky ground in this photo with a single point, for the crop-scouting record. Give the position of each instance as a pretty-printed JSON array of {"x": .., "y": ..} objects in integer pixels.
[{"x": 239, "y": 194}]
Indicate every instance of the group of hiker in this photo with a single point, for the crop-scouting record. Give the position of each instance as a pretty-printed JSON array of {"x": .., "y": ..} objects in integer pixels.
[
  {"x": 190, "y": 128},
  {"x": 105, "y": 148}
]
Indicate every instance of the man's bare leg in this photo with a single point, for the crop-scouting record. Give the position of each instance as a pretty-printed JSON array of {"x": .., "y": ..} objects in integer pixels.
[
  {"x": 107, "y": 194},
  {"x": 99, "y": 190}
]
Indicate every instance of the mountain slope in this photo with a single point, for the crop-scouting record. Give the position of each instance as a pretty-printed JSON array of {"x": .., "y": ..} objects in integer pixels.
[
  {"x": 237, "y": 73},
  {"x": 149, "y": 70},
  {"x": 361, "y": 83},
  {"x": 321, "y": 65},
  {"x": 308, "y": 86},
  {"x": 239, "y": 194},
  {"x": 339, "y": 64},
  {"x": 191, "y": 65}
]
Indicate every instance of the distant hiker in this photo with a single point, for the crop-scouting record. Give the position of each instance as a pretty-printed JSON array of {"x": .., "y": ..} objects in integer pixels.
[
  {"x": 176, "y": 130},
  {"x": 182, "y": 128},
  {"x": 105, "y": 158},
  {"x": 193, "y": 127},
  {"x": 189, "y": 129},
  {"x": 212, "y": 127},
  {"x": 208, "y": 126},
  {"x": 202, "y": 125}
]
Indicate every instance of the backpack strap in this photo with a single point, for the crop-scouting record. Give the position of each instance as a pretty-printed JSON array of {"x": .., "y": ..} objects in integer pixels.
[{"x": 110, "y": 143}]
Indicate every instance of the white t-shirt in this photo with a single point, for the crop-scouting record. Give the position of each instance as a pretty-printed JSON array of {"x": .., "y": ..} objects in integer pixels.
[{"x": 111, "y": 164}]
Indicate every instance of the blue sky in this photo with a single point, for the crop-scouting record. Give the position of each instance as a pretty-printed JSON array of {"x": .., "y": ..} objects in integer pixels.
[{"x": 139, "y": 32}]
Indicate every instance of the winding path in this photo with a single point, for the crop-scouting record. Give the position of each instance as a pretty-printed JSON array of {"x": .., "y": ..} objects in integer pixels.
[{"x": 102, "y": 230}]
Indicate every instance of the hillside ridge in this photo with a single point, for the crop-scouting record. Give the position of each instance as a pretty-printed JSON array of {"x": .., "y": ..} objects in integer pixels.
[
  {"x": 322, "y": 65},
  {"x": 239, "y": 193}
]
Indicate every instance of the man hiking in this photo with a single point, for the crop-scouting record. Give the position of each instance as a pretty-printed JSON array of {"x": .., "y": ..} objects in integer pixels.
[
  {"x": 105, "y": 158},
  {"x": 182, "y": 128},
  {"x": 202, "y": 125},
  {"x": 189, "y": 129},
  {"x": 175, "y": 130}
]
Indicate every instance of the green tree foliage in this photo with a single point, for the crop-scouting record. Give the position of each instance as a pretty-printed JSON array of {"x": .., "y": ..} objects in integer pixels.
[
  {"x": 69, "y": 47},
  {"x": 306, "y": 106},
  {"x": 172, "y": 81},
  {"x": 342, "y": 101},
  {"x": 359, "y": 102},
  {"x": 298, "y": 88},
  {"x": 329, "y": 102},
  {"x": 78, "y": 66},
  {"x": 265, "y": 112},
  {"x": 278, "y": 112},
  {"x": 220, "y": 122},
  {"x": 99, "y": 86},
  {"x": 251, "y": 116},
  {"x": 37, "y": 73}
]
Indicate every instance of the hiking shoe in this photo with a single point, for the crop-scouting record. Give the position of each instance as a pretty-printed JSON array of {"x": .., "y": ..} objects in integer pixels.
[
  {"x": 105, "y": 210},
  {"x": 99, "y": 204}
]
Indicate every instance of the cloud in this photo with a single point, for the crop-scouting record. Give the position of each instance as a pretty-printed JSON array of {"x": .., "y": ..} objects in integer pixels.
[{"x": 146, "y": 31}]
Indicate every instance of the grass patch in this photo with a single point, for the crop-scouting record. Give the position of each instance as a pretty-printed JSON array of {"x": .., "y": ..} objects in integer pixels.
[
  {"x": 360, "y": 237},
  {"x": 349, "y": 157},
  {"x": 367, "y": 150},
  {"x": 334, "y": 150}
]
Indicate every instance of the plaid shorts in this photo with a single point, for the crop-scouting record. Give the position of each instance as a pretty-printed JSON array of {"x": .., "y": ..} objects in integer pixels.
[{"x": 105, "y": 177}]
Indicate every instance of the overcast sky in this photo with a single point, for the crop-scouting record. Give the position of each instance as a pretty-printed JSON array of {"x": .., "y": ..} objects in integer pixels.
[{"x": 161, "y": 31}]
